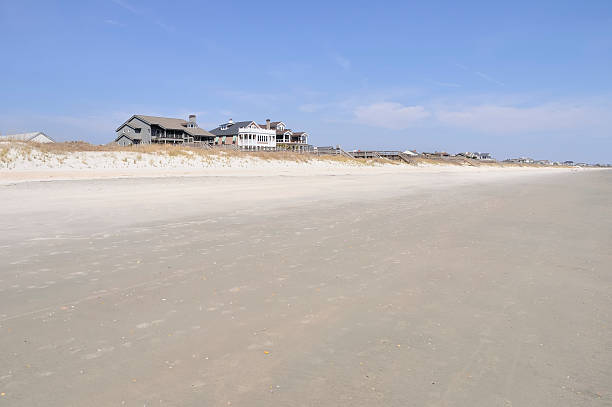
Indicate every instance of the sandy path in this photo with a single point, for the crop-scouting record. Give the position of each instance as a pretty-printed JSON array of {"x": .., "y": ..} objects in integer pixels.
[{"x": 365, "y": 289}]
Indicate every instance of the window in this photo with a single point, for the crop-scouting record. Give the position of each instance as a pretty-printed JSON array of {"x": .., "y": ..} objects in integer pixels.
[{"x": 137, "y": 130}]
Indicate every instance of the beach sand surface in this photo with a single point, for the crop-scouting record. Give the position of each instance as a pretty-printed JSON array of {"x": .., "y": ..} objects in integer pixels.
[{"x": 431, "y": 287}]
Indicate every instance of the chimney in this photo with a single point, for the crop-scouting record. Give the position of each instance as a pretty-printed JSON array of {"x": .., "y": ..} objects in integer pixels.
[
  {"x": 192, "y": 118},
  {"x": 230, "y": 121},
  {"x": 268, "y": 124}
]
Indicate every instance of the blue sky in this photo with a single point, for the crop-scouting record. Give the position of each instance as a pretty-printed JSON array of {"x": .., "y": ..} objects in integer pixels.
[{"x": 512, "y": 78}]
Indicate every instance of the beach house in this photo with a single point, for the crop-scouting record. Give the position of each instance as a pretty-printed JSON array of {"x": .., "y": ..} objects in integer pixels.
[
  {"x": 141, "y": 129},
  {"x": 520, "y": 160},
  {"x": 287, "y": 139},
  {"x": 476, "y": 156},
  {"x": 246, "y": 135}
]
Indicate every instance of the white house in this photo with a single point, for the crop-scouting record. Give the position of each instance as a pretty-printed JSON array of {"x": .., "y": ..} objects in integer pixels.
[
  {"x": 34, "y": 137},
  {"x": 246, "y": 135},
  {"x": 287, "y": 139}
]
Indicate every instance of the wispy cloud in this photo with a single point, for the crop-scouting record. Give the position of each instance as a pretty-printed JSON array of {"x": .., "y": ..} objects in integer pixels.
[
  {"x": 343, "y": 62},
  {"x": 289, "y": 70},
  {"x": 127, "y": 6},
  {"x": 447, "y": 84},
  {"x": 489, "y": 79},
  {"x": 390, "y": 115},
  {"x": 259, "y": 99},
  {"x": 114, "y": 22},
  {"x": 480, "y": 74},
  {"x": 506, "y": 120},
  {"x": 311, "y": 107},
  {"x": 492, "y": 119},
  {"x": 142, "y": 13}
]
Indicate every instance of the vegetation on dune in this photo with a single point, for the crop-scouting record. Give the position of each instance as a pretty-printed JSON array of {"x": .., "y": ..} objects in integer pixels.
[{"x": 13, "y": 151}]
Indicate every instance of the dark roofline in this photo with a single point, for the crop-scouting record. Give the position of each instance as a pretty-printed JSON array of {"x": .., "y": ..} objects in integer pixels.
[
  {"x": 123, "y": 135},
  {"x": 232, "y": 126},
  {"x": 44, "y": 134},
  {"x": 128, "y": 120}
]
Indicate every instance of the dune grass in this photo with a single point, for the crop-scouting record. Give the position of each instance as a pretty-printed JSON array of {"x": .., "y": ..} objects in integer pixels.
[{"x": 17, "y": 150}]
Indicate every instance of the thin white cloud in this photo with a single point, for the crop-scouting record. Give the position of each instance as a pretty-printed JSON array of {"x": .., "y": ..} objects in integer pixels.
[
  {"x": 553, "y": 117},
  {"x": 289, "y": 70},
  {"x": 343, "y": 62},
  {"x": 480, "y": 74},
  {"x": 127, "y": 6},
  {"x": 255, "y": 98},
  {"x": 113, "y": 22},
  {"x": 390, "y": 115},
  {"x": 447, "y": 84},
  {"x": 341, "y": 105},
  {"x": 489, "y": 79},
  {"x": 311, "y": 107},
  {"x": 141, "y": 13},
  {"x": 560, "y": 118}
]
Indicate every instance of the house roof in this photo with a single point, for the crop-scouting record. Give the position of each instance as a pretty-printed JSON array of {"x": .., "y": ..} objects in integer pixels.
[
  {"x": 126, "y": 136},
  {"x": 24, "y": 136},
  {"x": 169, "y": 123},
  {"x": 232, "y": 128},
  {"x": 273, "y": 125}
]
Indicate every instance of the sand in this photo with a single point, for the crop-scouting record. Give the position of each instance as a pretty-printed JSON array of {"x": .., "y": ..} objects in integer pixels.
[{"x": 425, "y": 287}]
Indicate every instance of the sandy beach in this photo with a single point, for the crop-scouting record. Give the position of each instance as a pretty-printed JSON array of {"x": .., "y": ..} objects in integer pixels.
[{"x": 376, "y": 286}]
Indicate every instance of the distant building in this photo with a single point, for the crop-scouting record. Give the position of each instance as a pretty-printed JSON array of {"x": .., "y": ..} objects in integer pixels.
[
  {"x": 476, "y": 156},
  {"x": 34, "y": 137},
  {"x": 411, "y": 153},
  {"x": 437, "y": 154},
  {"x": 246, "y": 135},
  {"x": 141, "y": 129},
  {"x": 520, "y": 160}
]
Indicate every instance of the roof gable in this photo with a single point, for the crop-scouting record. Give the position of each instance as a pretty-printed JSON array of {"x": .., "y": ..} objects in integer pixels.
[
  {"x": 227, "y": 129},
  {"x": 25, "y": 136},
  {"x": 126, "y": 125},
  {"x": 122, "y": 136}
]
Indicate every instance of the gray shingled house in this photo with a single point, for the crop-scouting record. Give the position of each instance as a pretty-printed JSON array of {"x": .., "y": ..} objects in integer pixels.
[{"x": 140, "y": 129}]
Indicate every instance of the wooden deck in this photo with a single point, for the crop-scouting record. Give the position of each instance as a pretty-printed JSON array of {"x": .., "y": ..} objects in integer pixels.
[{"x": 385, "y": 154}]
